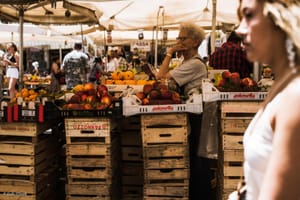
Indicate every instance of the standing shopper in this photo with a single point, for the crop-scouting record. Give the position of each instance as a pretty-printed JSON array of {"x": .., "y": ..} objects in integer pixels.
[
  {"x": 11, "y": 60},
  {"x": 55, "y": 75},
  {"x": 188, "y": 76},
  {"x": 271, "y": 34},
  {"x": 75, "y": 66}
]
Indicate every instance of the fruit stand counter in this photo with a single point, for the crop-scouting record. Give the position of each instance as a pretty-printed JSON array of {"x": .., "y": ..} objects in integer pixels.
[{"x": 237, "y": 102}]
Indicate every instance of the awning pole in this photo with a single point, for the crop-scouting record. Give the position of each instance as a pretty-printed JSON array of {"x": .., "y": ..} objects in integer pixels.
[
  {"x": 21, "y": 66},
  {"x": 213, "y": 26}
]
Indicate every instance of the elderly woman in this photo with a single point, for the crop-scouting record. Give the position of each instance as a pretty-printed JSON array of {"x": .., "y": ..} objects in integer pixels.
[
  {"x": 188, "y": 76},
  {"x": 192, "y": 70},
  {"x": 272, "y": 139}
]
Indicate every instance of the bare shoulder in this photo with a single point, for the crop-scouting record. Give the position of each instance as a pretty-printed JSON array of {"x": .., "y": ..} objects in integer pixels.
[{"x": 289, "y": 101}]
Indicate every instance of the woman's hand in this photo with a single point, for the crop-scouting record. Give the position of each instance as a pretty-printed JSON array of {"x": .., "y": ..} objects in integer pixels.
[{"x": 177, "y": 48}]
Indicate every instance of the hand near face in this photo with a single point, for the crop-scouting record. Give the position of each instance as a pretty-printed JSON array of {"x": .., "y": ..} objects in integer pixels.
[{"x": 178, "y": 48}]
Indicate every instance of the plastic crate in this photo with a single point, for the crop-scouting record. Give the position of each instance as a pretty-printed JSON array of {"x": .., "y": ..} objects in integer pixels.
[
  {"x": 114, "y": 112},
  {"x": 211, "y": 93},
  {"x": 40, "y": 113},
  {"x": 131, "y": 107}
]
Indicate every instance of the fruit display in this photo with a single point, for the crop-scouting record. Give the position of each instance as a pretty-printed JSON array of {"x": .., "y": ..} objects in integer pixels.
[
  {"x": 127, "y": 78},
  {"x": 158, "y": 93},
  {"x": 231, "y": 82},
  {"x": 89, "y": 97},
  {"x": 31, "y": 79}
]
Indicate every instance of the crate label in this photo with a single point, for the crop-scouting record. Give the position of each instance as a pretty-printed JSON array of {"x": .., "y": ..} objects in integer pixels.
[
  {"x": 28, "y": 113},
  {"x": 162, "y": 108},
  {"x": 91, "y": 126},
  {"x": 14, "y": 193},
  {"x": 244, "y": 95}
]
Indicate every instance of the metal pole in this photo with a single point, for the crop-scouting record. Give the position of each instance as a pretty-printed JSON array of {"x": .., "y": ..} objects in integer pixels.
[
  {"x": 213, "y": 26},
  {"x": 156, "y": 37}
]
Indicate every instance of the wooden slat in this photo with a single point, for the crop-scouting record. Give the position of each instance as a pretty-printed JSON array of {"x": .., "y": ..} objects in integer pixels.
[
  {"x": 178, "y": 135},
  {"x": 164, "y": 119},
  {"x": 88, "y": 127},
  {"x": 232, "y": 142},
  {"x": 165, "y": 191}
]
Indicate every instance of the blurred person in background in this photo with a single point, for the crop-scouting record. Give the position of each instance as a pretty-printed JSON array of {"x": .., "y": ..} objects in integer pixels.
[
  {"x": 56, "y": 75},
  {"x": 2, "y": 66},
  {"x": 231, "y": 56},
  {"x": 11, "y": 60},
  {"x": 270, "y": 35},
  {"x": 75, "y": 66}
]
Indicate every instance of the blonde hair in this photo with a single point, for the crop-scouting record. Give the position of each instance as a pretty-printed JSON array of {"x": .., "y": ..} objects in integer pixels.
[{"x": 286, "y": 15}]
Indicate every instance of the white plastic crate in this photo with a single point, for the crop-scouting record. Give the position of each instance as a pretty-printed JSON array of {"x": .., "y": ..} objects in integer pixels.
[
  {"x": 211, "y": 93},
  {"x": 131, "y": 106}
]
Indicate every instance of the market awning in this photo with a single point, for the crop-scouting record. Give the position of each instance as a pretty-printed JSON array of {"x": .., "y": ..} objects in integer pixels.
[{"x": 49, "y": 12}]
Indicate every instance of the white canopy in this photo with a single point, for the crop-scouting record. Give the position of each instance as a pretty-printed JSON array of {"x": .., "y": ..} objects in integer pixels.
[{"x": 146, "y": 14}]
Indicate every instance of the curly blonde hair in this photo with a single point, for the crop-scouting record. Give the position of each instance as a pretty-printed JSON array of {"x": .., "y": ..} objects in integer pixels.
[{"x": 286, "y": 15}]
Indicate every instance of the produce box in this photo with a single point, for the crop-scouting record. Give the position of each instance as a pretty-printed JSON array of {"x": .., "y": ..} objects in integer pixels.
[
  {"x": 132, "y": 107},
  {"x": 115, "y": 111},
  {"x": 211, "y": 93}
]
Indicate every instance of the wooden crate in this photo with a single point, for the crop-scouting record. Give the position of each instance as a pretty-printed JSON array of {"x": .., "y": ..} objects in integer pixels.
[
  {"x": 234, "y": 125},
  {"x": 87, "y": 197},
  {"x": 90, "y": 190},
  {"x": 88, "y": 127},
  {"x": 160, "y": 192},
  {"x": 157, "y": 120},
  {"x": 40, "y": 189},
  {"x": 132, "y": 191},
  {"x": 233, "y": 156},
  {"x": 25, "y": 128},
  {"x": 167, "y": 135},
  {"x": 132, "y": 154},
  {"x": 243, "y": 109},
  {"x": 171, "y": 177},
  {"x": 89, "y": 175},
  {"x": 233, "y": 141},
  {"x": 166, "y": 156},
  {"x": 132, "y": 123},
  {"x": 136, "y": 180},
  {"x": 132, "y": 169},
  {"x": 24, "y": 160},
  {"x": 87, "y": 150},
  {"x": 131, "y": 138}
]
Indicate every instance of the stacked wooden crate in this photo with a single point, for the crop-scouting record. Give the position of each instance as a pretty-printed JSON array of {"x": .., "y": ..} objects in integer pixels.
[
  {"x": 166, "y": 156},
  {"x": 28, "y": 161},
  {"x": 235, "y": 118},
  {"x": 92, "y": 153},
  {"x": 132, "y": 158}
]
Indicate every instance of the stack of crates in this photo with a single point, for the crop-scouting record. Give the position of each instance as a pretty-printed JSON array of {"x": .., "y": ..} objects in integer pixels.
[
  {"x": 28, "y": 161},
  {"x": 132, "y": 158},
  {"x": 92, "y": 154},
  {"x": 166, "y": 156},
  {"x": 235, "y": 118}
]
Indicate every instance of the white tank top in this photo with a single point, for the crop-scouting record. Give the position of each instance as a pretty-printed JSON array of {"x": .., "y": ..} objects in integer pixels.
[{"x": 258, "y": 140}]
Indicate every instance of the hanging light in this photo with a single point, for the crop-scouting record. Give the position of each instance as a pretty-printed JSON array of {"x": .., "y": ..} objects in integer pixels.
[
  {"x": 206, "y": 12},
  {"x": 140, "y": 34}
]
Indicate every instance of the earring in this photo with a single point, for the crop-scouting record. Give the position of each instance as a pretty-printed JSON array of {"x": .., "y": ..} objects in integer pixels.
[{"x": 291, "y": 54}]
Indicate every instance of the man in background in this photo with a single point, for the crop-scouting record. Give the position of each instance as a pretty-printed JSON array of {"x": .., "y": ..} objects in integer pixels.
[
  {"x": 231, "y": 56},
  {"x": 75, "y": 66}
]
